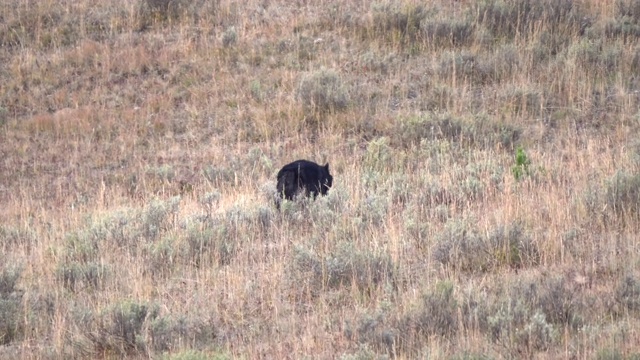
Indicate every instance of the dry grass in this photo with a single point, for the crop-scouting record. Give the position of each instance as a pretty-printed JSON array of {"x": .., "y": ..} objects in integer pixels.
[{"x": 485, "y": 157}]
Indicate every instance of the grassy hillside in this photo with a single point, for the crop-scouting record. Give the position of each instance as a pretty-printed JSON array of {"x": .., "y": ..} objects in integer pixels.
[{"x": 486, "y": 163}]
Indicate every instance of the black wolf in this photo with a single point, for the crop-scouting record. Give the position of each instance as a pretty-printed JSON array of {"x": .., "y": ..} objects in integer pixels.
[{"x": 302, "y": 176}]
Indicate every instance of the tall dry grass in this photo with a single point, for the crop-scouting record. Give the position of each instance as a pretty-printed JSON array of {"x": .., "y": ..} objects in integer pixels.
[{"x": 485, "y": 159}]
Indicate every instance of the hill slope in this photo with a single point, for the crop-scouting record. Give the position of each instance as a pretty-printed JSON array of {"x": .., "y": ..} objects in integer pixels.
[{"x": 485, "y": 156}]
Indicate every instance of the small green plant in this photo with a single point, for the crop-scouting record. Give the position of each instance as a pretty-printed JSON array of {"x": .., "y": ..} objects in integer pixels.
[{"x": 521, "y": 168}]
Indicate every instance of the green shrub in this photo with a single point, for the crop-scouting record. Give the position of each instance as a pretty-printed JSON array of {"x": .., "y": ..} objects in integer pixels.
[{"x": 521, "y": 167}]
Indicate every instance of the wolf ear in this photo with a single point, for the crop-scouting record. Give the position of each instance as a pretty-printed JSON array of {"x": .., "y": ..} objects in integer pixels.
[{"x": 326, "y": 167}]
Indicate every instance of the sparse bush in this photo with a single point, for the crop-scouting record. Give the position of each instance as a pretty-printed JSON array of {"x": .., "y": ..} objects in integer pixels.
[
  {"x": 120, "y": 329},
  {"x": 436, "y": 315},
  {"x": 164, "y": 173},
  {"x": 322, "y": 92},
  {"x": 504, "y": 321},
  {"x": 596, "y": 57},
  {"x": 449, "y": 32},
  {"x": 83, "y": 246},
  {"x": 229, "y": 37},
  {"x": 364, "y": 352},
  {"x": 623, "y": 194},
  {"x": 374, "y": 209},
  {"x": 522, "y": 102},
  {"x": 218, "y": 175},
  {"x": 345, "y": 268},
  {"x": 162, "y": 256},
  {"x": 155, "y": 217},
  {"x": 629, "y": 9},
  {"x": 627, "y": 293},
  {"x": 4, "y": 116},
  {"x": 171, "y": 332},
  {"x": 480, "y": 69},
  {"x": 510, "y": 18},
  {"x": 519, "y": 329},
  {"x": 471, "y": 356},
  {"x": 379, "y": 154},
  {"x": 196, "y": 355},
  {"x": 212, "y": 241},
  {"x": 209, "y": 201},
  {"x": 77, "y": 275},
  {"x": 372, "y": 331},
  {"x": 627, "y": 21},
  {"x": 12, "y": 236},
  {"x": 477, "y": 131},
  {"x": 557, "y": 299},
  {"x": 461, "y": 246},
  {"x": 11, "y": 309},
  {"x": 538, "y": 334},
  {"x": 396, "y": 21},
  {"x": 615, "y": 354},
  {"x": 513, "y": 247},
  {"x": 153, "y": 12}
]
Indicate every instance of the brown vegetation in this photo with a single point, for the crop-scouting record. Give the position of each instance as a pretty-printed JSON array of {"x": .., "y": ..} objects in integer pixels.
[{"x": 486, "y": 190}]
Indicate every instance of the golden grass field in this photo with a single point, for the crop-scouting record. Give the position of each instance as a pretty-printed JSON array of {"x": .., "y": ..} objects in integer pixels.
[{"x": 486, "y": 164}]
